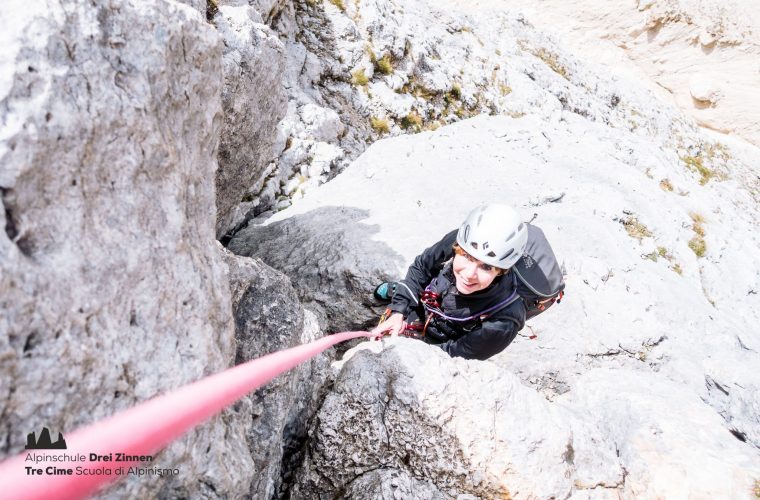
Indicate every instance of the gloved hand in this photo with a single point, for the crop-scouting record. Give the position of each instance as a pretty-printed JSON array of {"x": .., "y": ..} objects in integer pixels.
[{"x": 392, "y": 326}]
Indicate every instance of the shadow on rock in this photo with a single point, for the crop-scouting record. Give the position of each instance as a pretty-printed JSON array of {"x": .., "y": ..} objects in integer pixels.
[{"x": 331, "y": 259}]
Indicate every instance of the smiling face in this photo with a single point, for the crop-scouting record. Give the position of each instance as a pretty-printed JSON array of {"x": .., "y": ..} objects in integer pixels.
[{"x": 472, "y": 275}]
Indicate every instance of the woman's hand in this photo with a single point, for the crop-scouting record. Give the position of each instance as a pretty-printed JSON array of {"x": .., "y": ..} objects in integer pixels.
[{"x": 392, "y": 326}]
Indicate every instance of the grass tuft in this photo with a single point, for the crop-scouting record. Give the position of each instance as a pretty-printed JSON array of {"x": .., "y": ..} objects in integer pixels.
[
  {"x": 380, "y": 125},
  {"x": 552, "y": 60},
  {"x": 636, "y": 229},
  {"x": 456, "y": 92},
  {"x": 358, "y": 77},
  {"x": 665, "y": 185},
  {"x": 697, "y": 220},
  {"x": 696, "y": 164},
  {"x": 698, "y": 246},
  {"x": 697, "y": 243},
  {"x": 384, "y": 65},
  {"x": 212, "y": 7},
  {"x": 651, "y": 256},
  {"x": 412, "y": 121},
  {"x": 339, "y": 4}
]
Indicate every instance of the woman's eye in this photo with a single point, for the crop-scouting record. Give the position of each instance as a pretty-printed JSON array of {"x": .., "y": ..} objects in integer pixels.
[{"x": 486, "y": 268}]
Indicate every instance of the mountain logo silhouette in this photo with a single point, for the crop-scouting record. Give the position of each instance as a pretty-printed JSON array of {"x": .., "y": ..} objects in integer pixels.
[{"x": 44, "y": 442}]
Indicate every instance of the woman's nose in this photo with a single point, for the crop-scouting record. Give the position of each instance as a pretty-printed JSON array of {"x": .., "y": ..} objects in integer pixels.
[{"x": 471, "y": 270}]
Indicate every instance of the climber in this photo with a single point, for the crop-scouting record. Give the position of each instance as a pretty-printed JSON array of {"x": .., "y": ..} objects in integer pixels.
[{"x": 462, "y": 294}]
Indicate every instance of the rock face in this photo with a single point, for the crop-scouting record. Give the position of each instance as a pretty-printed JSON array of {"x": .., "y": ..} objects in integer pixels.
[
  {"x": 332, "y": 260},
  {"x": 651, "y": 334},
  {"x": 359, "y": 71},
  {"x": 471, "y": 428},
  {"x": 268, "y": 318},
  {"x": 253, "y": 100},
  {"x": 684, "y": 46},
  {"x": 112, "y": 288}
]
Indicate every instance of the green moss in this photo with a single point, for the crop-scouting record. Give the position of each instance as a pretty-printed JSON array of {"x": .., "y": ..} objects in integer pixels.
[
  {"x": 677, "y": 268},
  {"x": 247, "y": 198},
  {"x": 505, "y": 89},
  {"x": 651, "y": 256},
  {"x": 636, "y": 229},
  {"x": 756, "y": 489},
  {"x": 380, "y": 125},
  {"x": 662, "y": 251},
  {"x": 384, "y": 65},
  {"x": 358, "y": 77}
]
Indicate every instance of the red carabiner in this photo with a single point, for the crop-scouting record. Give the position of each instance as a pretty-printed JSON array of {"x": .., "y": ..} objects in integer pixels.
[{"x": 430, "y": 299}]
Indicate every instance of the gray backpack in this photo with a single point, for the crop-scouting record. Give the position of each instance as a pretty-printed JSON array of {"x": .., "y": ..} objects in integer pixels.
[{"x": 540, "y": 281}]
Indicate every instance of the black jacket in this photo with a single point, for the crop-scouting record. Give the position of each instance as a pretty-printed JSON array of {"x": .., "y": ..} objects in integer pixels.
[{"x": 475, "y": 339}]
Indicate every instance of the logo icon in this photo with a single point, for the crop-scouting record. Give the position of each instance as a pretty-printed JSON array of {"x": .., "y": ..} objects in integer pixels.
[{"x": 44, "y": 442}]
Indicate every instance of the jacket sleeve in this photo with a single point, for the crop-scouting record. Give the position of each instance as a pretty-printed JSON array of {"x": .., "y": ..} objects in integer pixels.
[
  {"x": 488, "y": 340},
  {"x": 425, "y": 267}
]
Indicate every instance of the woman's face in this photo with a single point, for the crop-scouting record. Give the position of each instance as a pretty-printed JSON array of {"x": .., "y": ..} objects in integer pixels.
[{"x": 472, "y": 275}]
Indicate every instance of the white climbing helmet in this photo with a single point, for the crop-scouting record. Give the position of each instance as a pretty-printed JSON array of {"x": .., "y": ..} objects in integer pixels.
[{"x": 494, "y": 234}]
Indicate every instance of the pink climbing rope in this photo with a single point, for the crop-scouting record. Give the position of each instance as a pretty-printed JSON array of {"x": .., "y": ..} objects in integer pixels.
[{"x": 150, "y": 426}]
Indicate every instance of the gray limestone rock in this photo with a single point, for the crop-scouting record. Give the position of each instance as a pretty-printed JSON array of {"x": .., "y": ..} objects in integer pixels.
[
  {"x": 459, "y": 427},
  {"x": 269, "y": 318},
  {"x": 402, "y": 415},
  {"x": 391, "y": 484},
  {"x": 112, "y": 288},
  {"x": 331, "y": 259},
  {"x": 253, "y": 100}
]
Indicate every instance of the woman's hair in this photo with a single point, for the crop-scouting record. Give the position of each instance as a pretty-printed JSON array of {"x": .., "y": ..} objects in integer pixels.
[{"x": 461, "y": 251}]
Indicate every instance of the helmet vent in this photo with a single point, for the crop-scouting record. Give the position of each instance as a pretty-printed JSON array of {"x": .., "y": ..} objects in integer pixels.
[
  {"x": 491, "y": 254},
  {"x": 511, "y": 251},
  {"x": 512, "y": 235},
  {"x": 474, "y": 245}
]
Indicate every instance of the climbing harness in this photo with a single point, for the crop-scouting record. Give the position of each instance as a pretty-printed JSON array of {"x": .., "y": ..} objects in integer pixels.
[{"x": 431, "y": 301}]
